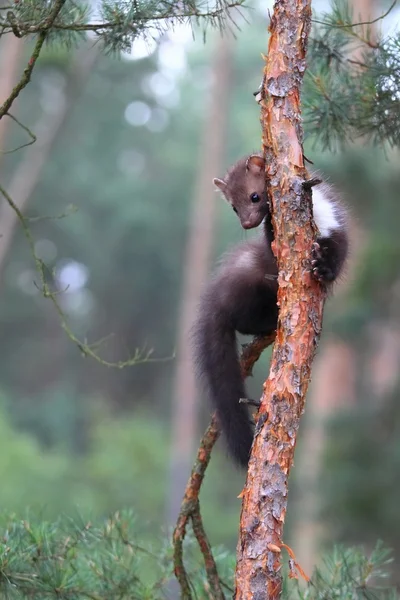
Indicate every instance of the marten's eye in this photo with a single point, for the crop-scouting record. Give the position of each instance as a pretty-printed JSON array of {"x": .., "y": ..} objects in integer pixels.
[
  {"x": 255, "y": 198},
  {"x": 235, "y": 209}
]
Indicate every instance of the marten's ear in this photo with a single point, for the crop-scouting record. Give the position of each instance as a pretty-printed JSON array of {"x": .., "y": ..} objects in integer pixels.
[
  {"x": 220, "y": 184},
  {"x": 255, "y": 164}
]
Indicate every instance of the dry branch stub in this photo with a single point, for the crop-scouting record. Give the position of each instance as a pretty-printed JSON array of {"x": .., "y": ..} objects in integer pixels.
[{"x": 301, "y": 302}]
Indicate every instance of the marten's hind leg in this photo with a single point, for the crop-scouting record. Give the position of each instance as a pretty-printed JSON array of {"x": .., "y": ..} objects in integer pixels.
[{"x": 257, "y": 313}]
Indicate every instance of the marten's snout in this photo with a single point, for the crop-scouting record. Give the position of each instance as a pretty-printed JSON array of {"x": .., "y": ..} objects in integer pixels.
[
  {"x": 247, "y": 224},
  {"x": 251, "y": 219}
]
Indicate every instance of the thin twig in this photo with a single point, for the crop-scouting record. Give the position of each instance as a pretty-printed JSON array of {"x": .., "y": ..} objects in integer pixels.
[
  {"x": 205, "y": 548},
  {"x": 189, "y": 502},
  {"x": 25, "y": 128},
  {"x": 250, "y": 402},
  {"x": 348, "y": 25},
  {"x": 138, "y": 357},
  {"x": 26, "y": 77},
  {"x": 252, "y": 352}
]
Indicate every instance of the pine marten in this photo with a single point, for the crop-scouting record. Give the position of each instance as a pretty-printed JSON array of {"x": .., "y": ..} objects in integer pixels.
[{"x": 242, "y": 295}]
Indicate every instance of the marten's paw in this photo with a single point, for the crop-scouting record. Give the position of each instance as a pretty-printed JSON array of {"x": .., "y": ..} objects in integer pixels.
[{"x": 321, "y": 264}]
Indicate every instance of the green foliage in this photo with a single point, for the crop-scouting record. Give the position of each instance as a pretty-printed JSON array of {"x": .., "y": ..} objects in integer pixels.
[
  {"x": 27, "y": 473},
  {"x": 71, "y": 559},
  {"x": 348, "y": 574},
  {"x": 120, "y": 468},
  {"x": 352, "y": 86},
  {"x": 361, "y": 476},
  {"x": 363, "y": 175},
  {"x": 130, "y": 232},
  {"x": 132, "y": 186},
  {"x": 123, "y": 462},
  {"x": 119, "y": 22},
  {"x": 29, "y": 14}
]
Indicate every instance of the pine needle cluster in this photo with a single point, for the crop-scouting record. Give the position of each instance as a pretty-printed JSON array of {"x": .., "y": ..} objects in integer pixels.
[
  {"x": 69, "y": 560},
  {"x": 74, "y": 560},
  {"x": 116, "y": 23},
  {"x": 349, "y": 574},
  {"x": 352, "y": 85}
]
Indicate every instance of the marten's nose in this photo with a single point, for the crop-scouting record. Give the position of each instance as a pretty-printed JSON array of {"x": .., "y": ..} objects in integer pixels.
[{"x": 247, "y": 225}]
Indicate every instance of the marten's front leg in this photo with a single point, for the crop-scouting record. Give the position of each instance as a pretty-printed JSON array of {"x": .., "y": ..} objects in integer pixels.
[{"x": 328, "y": 256}]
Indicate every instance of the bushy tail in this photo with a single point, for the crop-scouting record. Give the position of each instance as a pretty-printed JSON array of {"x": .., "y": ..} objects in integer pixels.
[{"x": 217, "y": 364}]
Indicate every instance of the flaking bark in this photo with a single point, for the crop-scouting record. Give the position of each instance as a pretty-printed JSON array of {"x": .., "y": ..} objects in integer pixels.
[{"x": 301, "y": 301}]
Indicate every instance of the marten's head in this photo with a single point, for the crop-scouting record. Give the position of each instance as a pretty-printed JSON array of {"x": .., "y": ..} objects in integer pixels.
[{"x": 244, "y": 188}]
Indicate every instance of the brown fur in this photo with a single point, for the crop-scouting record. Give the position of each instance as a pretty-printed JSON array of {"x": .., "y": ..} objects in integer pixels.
[{"x": 241, "y": 297}]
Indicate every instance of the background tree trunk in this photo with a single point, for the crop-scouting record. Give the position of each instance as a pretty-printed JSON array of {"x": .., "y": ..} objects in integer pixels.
[
  {"x": 27, "y": 175},
  {"x": 333, "y": 387},
  {"x": 198, "y": 255},
  {"x": 10, "y": 54}
]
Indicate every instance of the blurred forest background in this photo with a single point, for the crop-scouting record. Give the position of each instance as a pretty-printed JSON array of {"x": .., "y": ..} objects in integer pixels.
[{"x": 119, "y": 196}]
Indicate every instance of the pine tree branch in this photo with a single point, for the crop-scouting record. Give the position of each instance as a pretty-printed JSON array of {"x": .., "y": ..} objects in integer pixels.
[
  {"x": 25, "y": 79},
  {"x": 191, "y": 13},
  {"x": 116, "y": 34},
  {"x": 209, "y": 562},
  {"x": 349, "y": 96},
  {"x": 349, "y": 25},
  {"x": 27, "y": 130},
  {"x": 301, "y": 301},
  {"x": 190, "y": 503},
  {"x": 120, "y": 24}
]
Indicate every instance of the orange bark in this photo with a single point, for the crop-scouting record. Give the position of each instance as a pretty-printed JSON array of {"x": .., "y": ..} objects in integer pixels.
[{"x": 301, "y": 302}]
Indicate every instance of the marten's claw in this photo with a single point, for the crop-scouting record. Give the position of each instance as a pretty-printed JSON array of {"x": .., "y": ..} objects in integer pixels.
[{"x": 321, "y": 268}]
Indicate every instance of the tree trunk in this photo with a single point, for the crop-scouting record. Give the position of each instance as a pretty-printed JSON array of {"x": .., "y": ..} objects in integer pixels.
[
  {"x": 258, "y": 572},
  {"x": 334, "y": 387},
  {"x": 198, "y": 255}
]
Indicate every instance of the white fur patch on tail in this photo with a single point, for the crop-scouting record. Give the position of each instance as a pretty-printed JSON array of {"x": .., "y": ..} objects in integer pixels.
[{"x": 325, "y": 213}]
